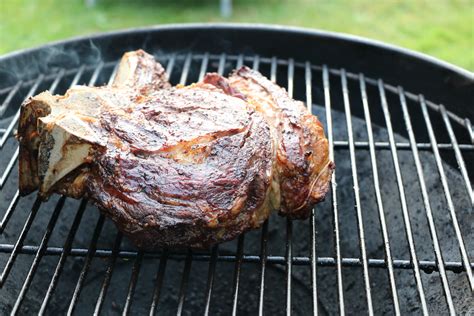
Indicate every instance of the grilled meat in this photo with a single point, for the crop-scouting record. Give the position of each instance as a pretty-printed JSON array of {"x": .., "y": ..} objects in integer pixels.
[{"x": 176, "y": 166}]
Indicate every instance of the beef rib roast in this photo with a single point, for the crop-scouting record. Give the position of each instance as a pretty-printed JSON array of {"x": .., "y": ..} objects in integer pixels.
[{"x": 184, "y": 166}]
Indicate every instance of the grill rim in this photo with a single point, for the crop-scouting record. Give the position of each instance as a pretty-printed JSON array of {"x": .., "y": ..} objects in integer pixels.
[{"x": 250, "y": 26}]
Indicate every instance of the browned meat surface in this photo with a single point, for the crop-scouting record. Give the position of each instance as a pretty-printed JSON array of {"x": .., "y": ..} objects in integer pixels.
[
  {"x": 302, "y": 166},
  {"x": 176, "y": 166}
]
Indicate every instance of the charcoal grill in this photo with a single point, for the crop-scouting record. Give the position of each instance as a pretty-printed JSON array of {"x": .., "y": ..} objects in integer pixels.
[{"x": 394, "y": 236}]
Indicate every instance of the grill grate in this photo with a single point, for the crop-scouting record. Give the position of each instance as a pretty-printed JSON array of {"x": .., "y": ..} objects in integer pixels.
[{"x": 332, "y": 94}]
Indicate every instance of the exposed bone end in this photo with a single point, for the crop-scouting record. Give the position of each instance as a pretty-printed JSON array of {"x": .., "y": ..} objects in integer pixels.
[
  {"x": 28, "y": 136},
  {"x": 56, "y": 137},
  {"x": 140, "y": 70},
  {"x": 60, "y": 152}
]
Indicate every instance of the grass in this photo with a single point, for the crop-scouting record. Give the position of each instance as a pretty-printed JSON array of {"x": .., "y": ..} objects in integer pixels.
[{"x": 441, "y": 28}]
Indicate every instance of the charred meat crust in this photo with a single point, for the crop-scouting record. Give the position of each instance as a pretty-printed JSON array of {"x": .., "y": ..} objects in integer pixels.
[
  {"x": 302, "y": 156},
  {"x": 186, "y": 193},
  {"x": 177, "y": 166}
]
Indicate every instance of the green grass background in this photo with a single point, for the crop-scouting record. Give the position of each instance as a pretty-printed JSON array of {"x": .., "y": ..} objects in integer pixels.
[{"x": 441, "y": 28}]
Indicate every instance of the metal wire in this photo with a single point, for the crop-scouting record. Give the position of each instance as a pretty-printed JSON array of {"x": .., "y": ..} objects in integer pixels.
[
  {"x": 133, "y": 283},
  {"x": 337, "y": 239},
  {"x": 184, "y": 282},
  {"x": 159, "y": 282},
  {"x": 238, "y": 265}
]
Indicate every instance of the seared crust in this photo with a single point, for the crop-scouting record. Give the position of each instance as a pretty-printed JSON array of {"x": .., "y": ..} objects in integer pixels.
[
  {"x": 176, "y": 167},
  {"x": 165, "y": 182},
  {"x": 303, "y": 168}
]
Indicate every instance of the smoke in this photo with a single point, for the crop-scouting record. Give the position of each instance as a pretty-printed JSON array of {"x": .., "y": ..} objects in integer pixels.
[{"x": 48, "y": 60}]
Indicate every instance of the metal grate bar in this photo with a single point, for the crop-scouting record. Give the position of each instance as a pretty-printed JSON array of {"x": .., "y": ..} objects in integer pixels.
[
  {"x": 400, "y": 145},
  {"x": 263, "y": 265},
  {"x": 66, "y": 251},
  {"x": 312, "y": 219},
  {"x": 108, "y": 274},
  {"x": 77, "y": 76},
  {"x": 470, "y": 130},
  {"x": 447, "y": 193},
  {"x": 204, "y": 63},
  {"x": 426, "y": 201},
  {"x": 15, "y": 119},
  {"x": 56, "y": 81},
  {"x": 238, "y": 264},
  {"x": 273, "y": 69},
  {"x": 289, "y": 223},
  {"x": 19, "y": 241},
  {"x": 210, "y": 278},
  {"x": 220, "y": 68},
  {"x": 113, "y": 74},
  {"x": 375, "y": 174},
  {"x": 184, "y": 282},
  {"x": 9, "y": 211},
  {"x": 291, "y": 75},
  {"x": 240, "y": 61},
  {"x": 39, "y": 255},
  {"x": 96, "y": 74},
  {"x": 355, "y": 181},
  {"x": 159, "y": 282},
  {"x": 459, "y": 158},
  {"x": 9, "y": 97},
  {"x": 87, "y": 263},
  {"x": 401, "y": 189},
  {"x": 289, "y": 264},
  {"x": 337, "y": 240},
  {"x": 9, "y": 167},
  {"x": 184, "y": 73},
  {"x": 170, "y": 66},
  {"x": 133, "y": 283},
  {"x": 425, "y": 265},
  {"x": 256, "y": 62}
]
